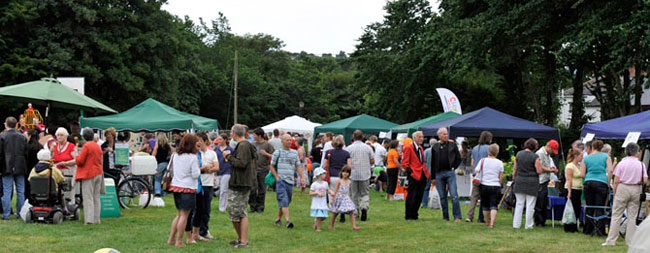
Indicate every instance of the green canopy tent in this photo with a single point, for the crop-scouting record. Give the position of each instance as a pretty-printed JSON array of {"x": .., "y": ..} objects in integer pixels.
[
  {"x": 151, "y": 115},
  {"x": 366, "y": 123},
  {"x": 51, "y": 93},
  {"x": 410, "y": 128}
]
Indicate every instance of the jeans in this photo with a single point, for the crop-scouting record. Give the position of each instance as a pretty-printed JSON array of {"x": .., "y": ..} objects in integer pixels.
[
  {"x": 283, "y": 193},
  {"x": 425, "y": 196},
  {"x": 7, "y": 191},
  {"x": 160, "y": 171},
  {"x": 223, "y": 192},
  {"x": 529, "y": 201},
  {"x": 203, "y": 209},
  {"x": 444, "y": 179}
]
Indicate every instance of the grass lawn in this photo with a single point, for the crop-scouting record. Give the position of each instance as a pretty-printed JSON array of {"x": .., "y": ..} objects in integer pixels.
[{"x": 386, "y": 231}]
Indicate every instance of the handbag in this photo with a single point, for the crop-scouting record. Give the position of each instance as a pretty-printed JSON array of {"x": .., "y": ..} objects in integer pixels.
[
  {"x": 329, "y": 164},
  {"x": 270, "y": 179},
  {"x": 476, "y": 180},
  {"x": 166, "y": 181},
  {"x": 642, "y": 196}
]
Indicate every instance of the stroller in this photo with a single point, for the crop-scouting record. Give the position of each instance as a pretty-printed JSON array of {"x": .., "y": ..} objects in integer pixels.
[{"x": 48, "y": 202}]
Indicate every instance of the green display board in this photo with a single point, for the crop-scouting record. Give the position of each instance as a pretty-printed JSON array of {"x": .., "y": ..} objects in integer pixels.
[
  {"x": 110, "y": 206},
  {"x": 122, "y": 153}
]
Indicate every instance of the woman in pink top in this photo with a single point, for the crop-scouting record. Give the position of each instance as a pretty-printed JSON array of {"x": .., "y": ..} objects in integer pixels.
[{"x": 630, "y": 174}]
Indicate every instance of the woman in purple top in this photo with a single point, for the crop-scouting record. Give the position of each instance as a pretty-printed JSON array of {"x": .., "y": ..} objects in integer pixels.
[{"x": 224, "y": 170}]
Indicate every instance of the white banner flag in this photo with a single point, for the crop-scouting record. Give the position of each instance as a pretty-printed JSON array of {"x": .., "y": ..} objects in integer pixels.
[{"x": 450, "y": 102}]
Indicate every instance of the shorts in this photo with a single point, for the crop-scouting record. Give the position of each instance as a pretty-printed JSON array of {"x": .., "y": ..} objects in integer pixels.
[
  {"x": 184, "y": 201},
  {"x": 283, "y": 192},
  {"x": 490, "y": 197},
  {"x": 237, "y": 202}
]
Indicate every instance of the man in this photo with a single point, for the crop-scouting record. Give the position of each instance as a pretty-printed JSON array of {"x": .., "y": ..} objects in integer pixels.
[
  {"x": 444, "y": 159},
  {"x": 276, "y": 142},
  {"x": 327, "y": 139},
  {"x": 242, "y": 176},
  {"x": 284, "y": 164},
  {"x": 246, "y": 135},
  {"x": 417, "y": 174},
  {"x": 427, "y": 163},
  {"x": 362, "y": 158},
  {"x": 380, "y": 151},
  {"x": 264, "y": 153},
  {"x": 12, "y": 166},
  {"x": 548, "y": 167}
]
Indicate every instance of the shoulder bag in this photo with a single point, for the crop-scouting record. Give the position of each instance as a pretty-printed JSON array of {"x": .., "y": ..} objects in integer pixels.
[
  {"x": 167, "y": 177},
  {"x": 642, "y": 197},
  {"x": 270, "y": 179},
  {"x": 477, "y": 181}
]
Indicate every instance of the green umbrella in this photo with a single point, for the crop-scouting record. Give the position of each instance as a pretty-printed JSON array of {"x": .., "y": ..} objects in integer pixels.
[{"x": 50, "y": 92}]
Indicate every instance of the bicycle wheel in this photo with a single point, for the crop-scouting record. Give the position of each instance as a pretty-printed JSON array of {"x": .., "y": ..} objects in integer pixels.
[{"x": 133, "y": 193}]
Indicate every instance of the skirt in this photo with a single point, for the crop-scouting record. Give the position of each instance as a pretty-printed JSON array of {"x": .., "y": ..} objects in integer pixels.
[{"x": 319, "y": 213}]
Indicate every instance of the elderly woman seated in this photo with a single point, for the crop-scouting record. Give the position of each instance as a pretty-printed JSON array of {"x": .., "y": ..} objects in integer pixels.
[{"x": 42, "y": 168}]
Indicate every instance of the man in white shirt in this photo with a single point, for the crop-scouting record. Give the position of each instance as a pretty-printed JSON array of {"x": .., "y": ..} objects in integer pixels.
[
  {"x": 380, "y": 151},
  {"x": 276, "y": 142},
  {"x": 327, "y": 139}
]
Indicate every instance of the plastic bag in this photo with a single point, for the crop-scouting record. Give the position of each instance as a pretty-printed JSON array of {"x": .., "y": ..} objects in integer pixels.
[
  {"x": 569, "y": 216},
  {"x": 434, "y": 199},
  {"x": 24, "y": 210}
]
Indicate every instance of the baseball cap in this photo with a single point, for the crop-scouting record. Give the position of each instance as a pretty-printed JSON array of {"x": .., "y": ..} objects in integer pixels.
[{"x": 554, "y": 146}]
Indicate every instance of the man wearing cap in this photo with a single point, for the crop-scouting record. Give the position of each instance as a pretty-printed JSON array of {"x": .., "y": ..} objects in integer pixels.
[{"x": 548, "y": 167}]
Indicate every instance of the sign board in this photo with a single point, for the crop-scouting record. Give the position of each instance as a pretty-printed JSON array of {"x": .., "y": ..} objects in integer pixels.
[
  {"x": 122, "y": 153},
  {"x": 382, "y": 135},
  {"x": 632, "y": 137},
  {"x": 109, "y": 205},
  {"x": 589, "y": 137}
]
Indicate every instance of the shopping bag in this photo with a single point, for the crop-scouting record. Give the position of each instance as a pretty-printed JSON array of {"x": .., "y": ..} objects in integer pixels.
[
  {"x": 569, "y": 216},
  {"x": 269, "y": 179},
  {"x": 24, "y": 210},
  {"x": 434, "y": 199}
]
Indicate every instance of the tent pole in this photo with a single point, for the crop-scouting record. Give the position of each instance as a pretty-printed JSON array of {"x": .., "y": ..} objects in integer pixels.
[{"x": 559, "y": 136}]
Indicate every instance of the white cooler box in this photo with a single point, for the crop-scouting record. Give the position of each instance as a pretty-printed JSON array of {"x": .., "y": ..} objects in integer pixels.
[{"x": 143, "y": 165}]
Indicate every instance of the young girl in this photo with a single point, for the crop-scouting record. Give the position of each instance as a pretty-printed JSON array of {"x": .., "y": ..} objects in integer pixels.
[
  {"x": 318, "y": 191},
  {"x": 341, "y": 202}
]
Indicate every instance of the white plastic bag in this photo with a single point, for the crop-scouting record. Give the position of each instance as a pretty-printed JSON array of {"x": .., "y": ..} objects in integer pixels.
[
  {"x": 24, "y": 210},
  {"x": 434, "y": 199},
  {"x": 569, "y": 216}
]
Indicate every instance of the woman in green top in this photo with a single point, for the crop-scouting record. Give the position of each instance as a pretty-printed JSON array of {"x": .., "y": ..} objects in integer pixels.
[
  {"x": 573, "y": 184},
  {"x": 597, "y": 172}
]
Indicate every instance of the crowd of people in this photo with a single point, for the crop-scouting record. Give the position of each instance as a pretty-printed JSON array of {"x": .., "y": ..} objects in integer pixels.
[{"x": 338, "y": 176}]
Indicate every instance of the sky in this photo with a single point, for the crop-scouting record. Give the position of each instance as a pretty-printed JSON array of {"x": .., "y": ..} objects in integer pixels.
[{"x": 313, "y": 26}]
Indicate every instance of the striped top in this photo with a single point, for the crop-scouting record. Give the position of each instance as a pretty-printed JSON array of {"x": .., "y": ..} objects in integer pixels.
[{"x": 285, "y": 162}]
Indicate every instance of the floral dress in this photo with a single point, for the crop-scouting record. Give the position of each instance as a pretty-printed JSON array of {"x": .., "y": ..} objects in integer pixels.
[{"x": 342, "y": 201}]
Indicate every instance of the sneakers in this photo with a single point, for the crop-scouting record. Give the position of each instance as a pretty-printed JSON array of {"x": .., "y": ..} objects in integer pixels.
[
  {"x": 209, "y": 236},
  {"x": 364, "y": 215},
  {"x": 468, "y": 220},
  {"x": 234, "y": 242},
  {"x": 289, "y": 224},
  {"x": 608, "y": 244},
  {"x": 278, "y": 222},
  {"x": 241, "y": 245}
]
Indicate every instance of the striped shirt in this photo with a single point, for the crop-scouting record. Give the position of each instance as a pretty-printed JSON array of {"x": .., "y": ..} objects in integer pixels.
[
  {"x": 360, "y": 155},
  {"x": 285, "y": 162}
]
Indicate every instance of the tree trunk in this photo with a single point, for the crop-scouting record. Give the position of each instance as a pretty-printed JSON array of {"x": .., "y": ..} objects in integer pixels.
[
  {"x": 550, "y": 107},
  {"x": 578, "y": 106},
  {"x": 638, "y": 90}
]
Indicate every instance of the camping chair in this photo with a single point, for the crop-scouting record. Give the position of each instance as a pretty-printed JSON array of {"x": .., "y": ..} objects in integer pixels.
[
  {"x": 553, "y": 202},
  {"x": 599, "y": 222}
]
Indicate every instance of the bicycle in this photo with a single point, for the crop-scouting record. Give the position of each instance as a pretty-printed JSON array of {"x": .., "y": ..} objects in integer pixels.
[{"x": 132, "y": 192}]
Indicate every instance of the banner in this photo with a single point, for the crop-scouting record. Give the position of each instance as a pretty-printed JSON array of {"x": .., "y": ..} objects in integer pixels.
[{"x": 450, "y": 102}]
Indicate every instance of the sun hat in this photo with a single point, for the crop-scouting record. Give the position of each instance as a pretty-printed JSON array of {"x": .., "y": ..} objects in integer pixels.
[{"x": 318, "y": 171}]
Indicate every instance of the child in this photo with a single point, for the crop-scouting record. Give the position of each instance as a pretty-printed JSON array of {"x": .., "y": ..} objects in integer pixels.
[
  {"x": 341, "y": 202},
  {"x": 318, "y": 191}
]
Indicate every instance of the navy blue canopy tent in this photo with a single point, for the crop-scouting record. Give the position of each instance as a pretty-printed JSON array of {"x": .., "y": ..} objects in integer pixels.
[
  {"x": 498, "y": 123},
  {"x": 618, "y": 128}
]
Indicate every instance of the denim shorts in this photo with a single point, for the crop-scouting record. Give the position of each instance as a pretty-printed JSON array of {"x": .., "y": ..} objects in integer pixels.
[
  {"x": 184, "y": 201},
  {"x": 283, "y": 192}
]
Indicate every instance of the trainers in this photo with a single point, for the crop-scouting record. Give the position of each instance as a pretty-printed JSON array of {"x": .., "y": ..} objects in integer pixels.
[
  {"x": 234, "y": 242},
  {"x": 278, "y": 222},
  {"x": 468, "y": 220},
  {"x": 289, "y": 224},
  {"x": 208, "y": 235},
  {"x": 364, "y": 215},
  {"x": 608, "y": 244},
  {"x": 241, "y": 245}
]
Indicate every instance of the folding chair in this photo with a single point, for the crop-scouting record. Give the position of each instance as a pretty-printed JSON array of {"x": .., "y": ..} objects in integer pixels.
[{"x": 600, "y": 222}]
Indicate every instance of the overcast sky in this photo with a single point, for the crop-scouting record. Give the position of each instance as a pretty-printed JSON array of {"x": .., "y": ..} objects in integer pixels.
[{"x": 313, "y": 26}]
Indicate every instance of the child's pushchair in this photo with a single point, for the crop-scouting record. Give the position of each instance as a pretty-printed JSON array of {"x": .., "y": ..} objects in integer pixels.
[{"x": 48, "y": 203}]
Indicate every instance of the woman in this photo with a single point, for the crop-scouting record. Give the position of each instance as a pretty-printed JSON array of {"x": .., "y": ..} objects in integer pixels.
[
  {"x": 208, "y": 166},
  {"x": 490, "y": 171},
  {"x": 33, "y": 146},
  {"x": 525, "y": 173},
  {"x": 392, "y": 168},
  {"x": 316, "y": 153},
  {"x": 108, "y": 149},
  {"x": 465, "y": 159},
  {"x": 185, "y": 166},
  {"x": 597, "y": 172},
  {"x": 224, "y": 170},
  {"x": 63, "y": 155},
  {"x": 89, "y": 172},
  {"x": 162, "y": 151},
  {"x": 302, "y": 155},
  {"x": 573, "y": 185},
  {"x": 479, "y": 152},
  {"x": 630, "y": 175},
  {"x": 335, "y": 159}
]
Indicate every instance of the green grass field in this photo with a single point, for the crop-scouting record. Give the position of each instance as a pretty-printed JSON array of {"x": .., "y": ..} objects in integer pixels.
[{"x": 147, "y": 230}]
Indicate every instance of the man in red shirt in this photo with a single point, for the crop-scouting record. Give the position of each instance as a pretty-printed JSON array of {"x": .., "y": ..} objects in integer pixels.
[{"x": 413, "y": 165}]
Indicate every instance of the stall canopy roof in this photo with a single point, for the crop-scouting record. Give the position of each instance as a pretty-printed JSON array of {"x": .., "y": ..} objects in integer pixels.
[
  {"x": 618, "y": 128},
  {"x": 294, "y": 124},
  {"x": 410, "y": 128},
  {"x": 366, "y": 123},
  {"x": 498, "y": 123},
  {"x": 151, "y": 115}
]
